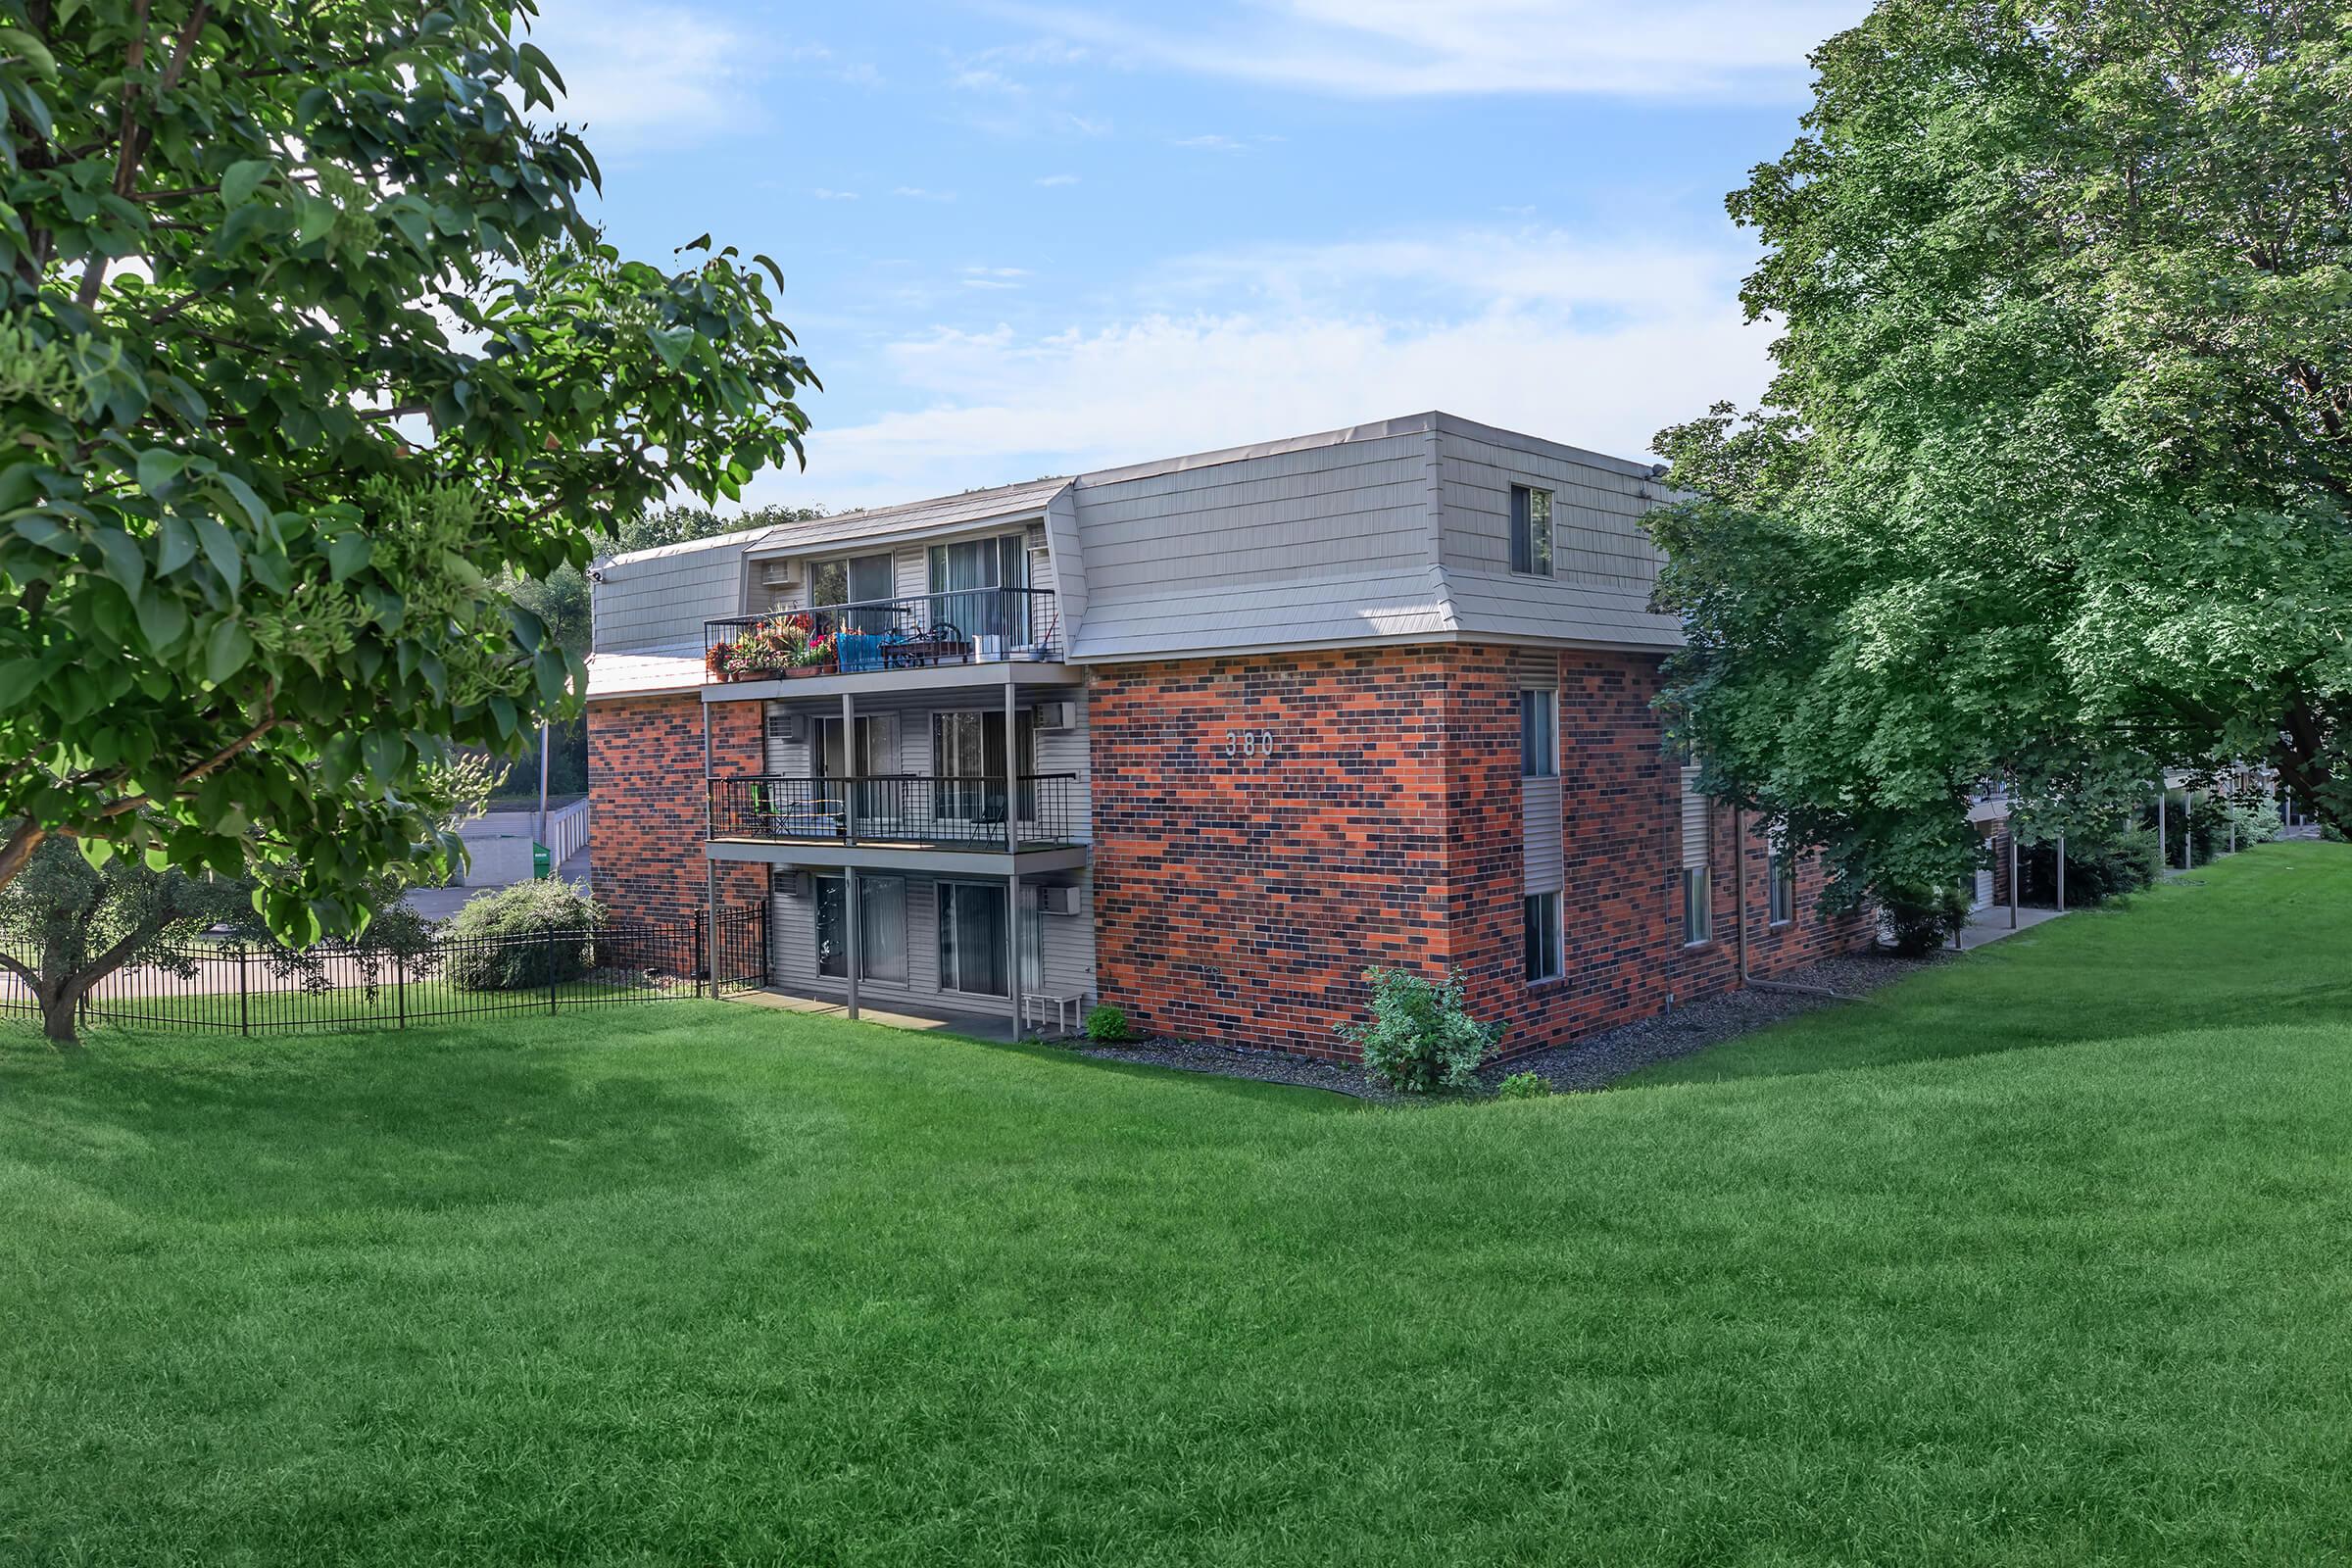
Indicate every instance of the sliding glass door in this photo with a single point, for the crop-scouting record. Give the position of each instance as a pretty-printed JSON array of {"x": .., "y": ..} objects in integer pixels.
[
  {"x": 971, "y": 938},
  {"x": 965, "y": 580},
  {"x": 967, "y": 765},
  {"x": 881, "y": 928}
]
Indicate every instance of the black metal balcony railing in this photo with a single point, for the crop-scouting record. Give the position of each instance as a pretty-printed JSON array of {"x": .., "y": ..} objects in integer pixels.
[
  {"x": 902, "y": 809},
  {"x": 972, "y": 625}
]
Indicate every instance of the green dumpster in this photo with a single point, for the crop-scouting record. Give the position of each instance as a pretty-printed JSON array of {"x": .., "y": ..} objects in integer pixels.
[{"x": 541, "y": 866}]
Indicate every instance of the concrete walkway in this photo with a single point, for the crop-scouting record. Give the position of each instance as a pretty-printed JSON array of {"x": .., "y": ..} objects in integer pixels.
[
  {"x": 980, "y": 1026},
  {"x": 1991, "y": 925}
]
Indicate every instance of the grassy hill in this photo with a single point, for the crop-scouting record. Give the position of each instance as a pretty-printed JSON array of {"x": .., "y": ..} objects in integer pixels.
[{"x": 2042, "y": 1257}]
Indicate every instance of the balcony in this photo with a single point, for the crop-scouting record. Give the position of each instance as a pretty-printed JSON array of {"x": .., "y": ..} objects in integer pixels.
[
  {"x": 969, "y": 628},
  {"x": 899, "y": 812}
]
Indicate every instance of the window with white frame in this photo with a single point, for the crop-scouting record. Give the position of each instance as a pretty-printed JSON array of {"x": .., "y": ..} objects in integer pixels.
[
  {"x": 1780, "y": 879},
  {"x": 1531, "y": 531},
  {"x": 1539, "y": 733},
  {"x": 1697, "y": 848},
  {"x": 1540, "y": 919}
]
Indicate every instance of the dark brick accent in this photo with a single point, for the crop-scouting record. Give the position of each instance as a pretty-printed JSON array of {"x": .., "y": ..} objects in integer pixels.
[
  {"x": 1241, "y": 898},
  {"x": 644, "y": 787}
]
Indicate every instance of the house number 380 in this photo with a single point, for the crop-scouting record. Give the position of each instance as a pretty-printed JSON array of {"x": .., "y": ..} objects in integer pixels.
[{"x": 1248, "y": 743}]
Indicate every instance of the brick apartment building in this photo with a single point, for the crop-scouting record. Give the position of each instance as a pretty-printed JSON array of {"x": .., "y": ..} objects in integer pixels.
[{"x": 1204, "y": 737}]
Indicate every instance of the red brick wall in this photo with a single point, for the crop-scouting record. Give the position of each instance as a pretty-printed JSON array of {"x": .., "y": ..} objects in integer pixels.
[
  {"x": 1241, "y": 898},
  {"x": 645, "y": 789}
]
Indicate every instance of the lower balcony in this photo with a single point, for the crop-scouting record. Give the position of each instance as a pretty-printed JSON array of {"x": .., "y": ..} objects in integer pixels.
[{"x": 983, "y": 815}]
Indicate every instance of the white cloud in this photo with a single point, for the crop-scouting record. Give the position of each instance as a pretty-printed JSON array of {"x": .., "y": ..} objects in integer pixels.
[
  {"x": 1209, "y": 144},
  {"x": 994, "y": 277},
  {"x": 824, "y": 195},
  {"x": 1746, "y": 49},
  {"x": 1057, "y": 179},
  {"x": 635, "y": 73},
  {"x": 918, "y": 194},
  {"x": 1559, "y": 336}
]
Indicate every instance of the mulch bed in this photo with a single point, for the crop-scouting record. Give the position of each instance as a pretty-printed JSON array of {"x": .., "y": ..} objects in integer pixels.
[{"x": 1593, "y": 1062}]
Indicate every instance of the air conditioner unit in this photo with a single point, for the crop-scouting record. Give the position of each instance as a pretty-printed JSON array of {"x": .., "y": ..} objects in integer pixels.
[
  {"x": 788, "y": 882},
  {"x": 787, "y": 727},
  {"x": 784, "y": 574},
  {"x": 1057, "y": 900},
  {"x": 1057, "y": 716}
]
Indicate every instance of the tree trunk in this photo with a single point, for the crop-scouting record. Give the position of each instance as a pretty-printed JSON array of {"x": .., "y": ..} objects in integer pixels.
[{"x": 58, "y": 1010}]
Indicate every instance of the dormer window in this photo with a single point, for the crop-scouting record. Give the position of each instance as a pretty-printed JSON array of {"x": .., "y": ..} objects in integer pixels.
[{"x": 1531, "y": 531}]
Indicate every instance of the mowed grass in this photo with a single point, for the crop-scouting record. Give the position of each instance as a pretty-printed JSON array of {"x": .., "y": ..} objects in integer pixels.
[{"x": 704, "y": 1284}]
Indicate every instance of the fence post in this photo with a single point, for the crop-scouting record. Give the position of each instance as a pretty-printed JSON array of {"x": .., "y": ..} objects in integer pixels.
[
  {"x": 766, "y": 947},
  {"x": 400, "y": 988},
  {"x": 244, "y": 1013},
  {"x": 697, "y": 952},
  {"x": 552, "y": 938}
]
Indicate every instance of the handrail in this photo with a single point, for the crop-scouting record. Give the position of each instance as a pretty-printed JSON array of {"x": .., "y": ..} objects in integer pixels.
[
  {"x": 907, "y": 631},
  {"x": 896, "y": 809}
]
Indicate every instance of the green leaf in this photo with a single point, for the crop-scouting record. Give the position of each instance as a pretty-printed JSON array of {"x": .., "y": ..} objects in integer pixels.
[
  {"x": 221, "y": 549},
  {"x": 346, "y": 553},
  {"x": 158, "y": 469},
  {"x": 384, "y": 751},
  {"x": 177, "y": 547},
  {"x": 163, "y": 618},
  {"x": 125, "y": 564},
  {"x": 49, "y": 534},
  {"x": 314, "y": 216},
  {"x": 243, "y": 179},
  {"x": 225, "y": 651}
]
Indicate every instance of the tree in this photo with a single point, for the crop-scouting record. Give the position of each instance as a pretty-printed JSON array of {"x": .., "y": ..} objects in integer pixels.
[
  {"x": 66, "y": 924},
  {"x": 2052, "y": 481},
  {"x": 304, "y": 348}
]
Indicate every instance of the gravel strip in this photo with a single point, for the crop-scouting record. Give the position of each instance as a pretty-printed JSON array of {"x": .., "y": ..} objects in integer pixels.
[{"x": 1593, "y": 1062}]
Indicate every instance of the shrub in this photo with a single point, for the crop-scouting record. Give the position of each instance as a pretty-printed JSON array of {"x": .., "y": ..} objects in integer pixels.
[
  {"x": 1106, "y": 1024},
  {"x": 1420, "y": 1039},
  {"x": 1921, "y": 920},
  {"x": 2097, "y": 870},
  {"x": 1523, "y": 1086},
  {"x": 531, "y": 934}
]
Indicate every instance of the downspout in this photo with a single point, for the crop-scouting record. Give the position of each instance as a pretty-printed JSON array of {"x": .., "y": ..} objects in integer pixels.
[{"x": 1740, "y": 919}]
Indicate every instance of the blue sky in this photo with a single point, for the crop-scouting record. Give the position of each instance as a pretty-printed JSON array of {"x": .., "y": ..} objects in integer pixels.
[{"x": 1026, "y": 239}]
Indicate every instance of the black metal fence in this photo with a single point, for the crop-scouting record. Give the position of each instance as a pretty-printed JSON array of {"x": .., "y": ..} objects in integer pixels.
[
  {"x": 251, "y": 989},
  {"x": 901, "y": 809},
  {"x": 965, "y": 626}
]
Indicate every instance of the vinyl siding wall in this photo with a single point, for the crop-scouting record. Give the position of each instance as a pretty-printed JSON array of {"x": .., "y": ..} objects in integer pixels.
[
  {"x": 662, "y": 600},
  {"x": 1603, "y": 563},
  {"x": 1323, "y": 543},
  {"x": 1068, "y": 943}
]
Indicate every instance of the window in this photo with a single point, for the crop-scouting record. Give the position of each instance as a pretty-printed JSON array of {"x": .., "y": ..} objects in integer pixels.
[
  {"x": 881, "y": 928},
  {"x": 967, "y": 764},
  {"x": 1698, "y": 917},
  {"x": 855, "y": 580},
  {"x": 967, "y": 581},
  {"x": 1531, "y": 531},
  {"x": 1779, "y": 875},
  {"x": 1540, "y": 920},
  {"x": 1539, "y": 733},
  {"x": 971, "y": 938}
]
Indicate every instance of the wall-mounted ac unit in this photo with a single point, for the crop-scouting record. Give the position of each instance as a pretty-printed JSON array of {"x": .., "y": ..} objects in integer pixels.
[
  {"x": 1057, "y": 716},
  {"x": 784, "y": 574},
  {"x": 788, "y": 882},
  {"x": 787, "y": 726},
  {"x": 1057, "y": 900}
]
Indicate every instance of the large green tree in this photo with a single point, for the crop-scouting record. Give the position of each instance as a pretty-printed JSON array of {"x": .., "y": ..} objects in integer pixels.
[
  {"x": 2053, "y": 479},
  {"x": 305, "y": 347}
]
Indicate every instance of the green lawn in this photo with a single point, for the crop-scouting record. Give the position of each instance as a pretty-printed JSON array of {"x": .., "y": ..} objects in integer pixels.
[{"x": 703, "y": 1284}]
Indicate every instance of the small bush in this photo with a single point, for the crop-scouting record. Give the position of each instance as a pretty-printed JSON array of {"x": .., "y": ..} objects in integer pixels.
[
  {"x": 531, "y": 934},
  {"x": 2096, "y": 870},
  {"x": 1420, "y": 1039},
  {"x": 1106, "y": 1024},
  {"x": 1523, "y": 1086},
  {"x": 1921, "y": 920}
]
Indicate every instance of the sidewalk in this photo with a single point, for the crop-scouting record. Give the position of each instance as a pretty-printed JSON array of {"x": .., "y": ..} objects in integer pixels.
[{"x": 1992, "y": 924}]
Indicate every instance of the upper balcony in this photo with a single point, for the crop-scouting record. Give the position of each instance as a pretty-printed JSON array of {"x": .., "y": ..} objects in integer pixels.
[{"x": 978, "y": 634}]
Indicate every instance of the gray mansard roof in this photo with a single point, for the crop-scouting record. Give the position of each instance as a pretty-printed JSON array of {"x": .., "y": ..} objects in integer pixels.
[{"x": 1393, "y": 531}]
